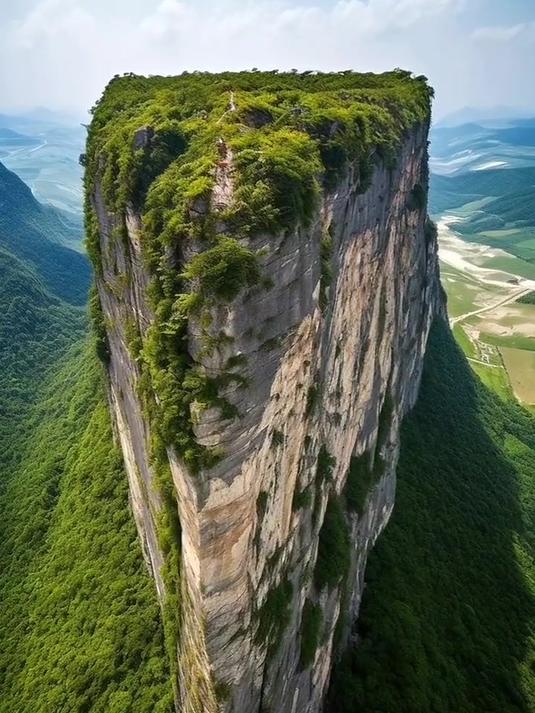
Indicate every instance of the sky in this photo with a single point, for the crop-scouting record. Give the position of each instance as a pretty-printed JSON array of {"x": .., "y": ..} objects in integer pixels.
[{"x": 61, "y": 53}]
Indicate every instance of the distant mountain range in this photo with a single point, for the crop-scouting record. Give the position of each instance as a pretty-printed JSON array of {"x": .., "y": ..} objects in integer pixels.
[
  {"x": 495, "y": 115},
  {"x": 39, "y": 235},
  {"x": 38, "y": 119},
  {"x": 473, "y": 147},
  {"x": 486, "y": 176},
  {"x": 14, "y": 138},
  {"x": 43, "y": 149}
]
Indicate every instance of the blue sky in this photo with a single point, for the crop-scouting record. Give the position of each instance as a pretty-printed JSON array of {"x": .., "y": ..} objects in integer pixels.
[{"x": 60, "y": 53}]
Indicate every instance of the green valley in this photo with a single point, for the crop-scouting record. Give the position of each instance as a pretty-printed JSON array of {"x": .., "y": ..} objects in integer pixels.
[
  {"x": 79, "y": 622},
  {"x": 448, "y": 617},
  {"x": 483, "y": 198},
  {"x": 43, "y": 289},
  {"x": 447, "y": 620},
  {"x": 74, "y": 583}
]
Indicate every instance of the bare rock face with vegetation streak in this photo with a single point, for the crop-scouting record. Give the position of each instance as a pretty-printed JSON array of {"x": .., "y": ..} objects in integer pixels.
[{"x": 266, "y": 277}]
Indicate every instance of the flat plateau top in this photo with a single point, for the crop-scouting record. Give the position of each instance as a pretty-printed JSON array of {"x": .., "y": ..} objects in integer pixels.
[
  {"x": 209, "y": 162},
  {"x": 286, "y": 134}
]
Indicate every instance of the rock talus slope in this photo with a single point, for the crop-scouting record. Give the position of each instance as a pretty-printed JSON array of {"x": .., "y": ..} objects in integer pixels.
[{"x": 326, "y": 354}]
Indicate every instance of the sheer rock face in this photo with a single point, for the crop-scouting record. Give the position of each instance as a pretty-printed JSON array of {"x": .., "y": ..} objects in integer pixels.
[{"x": 317, "y": 380}]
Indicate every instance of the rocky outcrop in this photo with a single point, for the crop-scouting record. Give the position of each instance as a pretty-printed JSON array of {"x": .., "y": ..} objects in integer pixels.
[{"x": 328, "y": 354}]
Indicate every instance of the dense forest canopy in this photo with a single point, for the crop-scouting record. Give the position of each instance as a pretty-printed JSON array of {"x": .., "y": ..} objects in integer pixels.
[
  {"x": 447, "y": 622},
  {"x": 448, "y": 618},
  {"x": 79, "y": 622}
]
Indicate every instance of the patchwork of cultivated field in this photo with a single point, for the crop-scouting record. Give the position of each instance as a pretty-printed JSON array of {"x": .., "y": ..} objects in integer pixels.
[
  {"x": 484, "y": 285},
  {"x": 520, "y": 365}
]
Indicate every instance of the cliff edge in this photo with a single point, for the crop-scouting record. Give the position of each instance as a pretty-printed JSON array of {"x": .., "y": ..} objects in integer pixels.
[{"x": 267, "y": 277}]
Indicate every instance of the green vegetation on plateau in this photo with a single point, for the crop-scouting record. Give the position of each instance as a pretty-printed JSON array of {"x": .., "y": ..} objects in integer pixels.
[
  {"x": 448, "y": 618},
  {"x": 158, "y": 144},
  {"x": 285, "y": 131}
]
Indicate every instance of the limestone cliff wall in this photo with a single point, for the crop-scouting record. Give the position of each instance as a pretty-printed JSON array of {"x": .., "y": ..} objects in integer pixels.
[{"x": 327, "y": 373}]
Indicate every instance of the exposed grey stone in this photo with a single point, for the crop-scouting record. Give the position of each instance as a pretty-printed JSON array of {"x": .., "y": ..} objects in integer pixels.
[
  {"x": 365, "y": 349},
  {"x": 143, "y": 137}
]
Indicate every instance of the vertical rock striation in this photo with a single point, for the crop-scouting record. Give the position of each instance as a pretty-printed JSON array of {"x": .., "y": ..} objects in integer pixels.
[{"x": 311, "y": 365}]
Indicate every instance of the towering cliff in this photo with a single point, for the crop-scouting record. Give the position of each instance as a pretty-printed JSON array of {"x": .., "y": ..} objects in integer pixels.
[{"x": 267, "y": 279}]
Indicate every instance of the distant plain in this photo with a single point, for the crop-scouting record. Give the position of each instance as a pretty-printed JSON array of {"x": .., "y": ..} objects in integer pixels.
[{"x": 483, "y": 199}]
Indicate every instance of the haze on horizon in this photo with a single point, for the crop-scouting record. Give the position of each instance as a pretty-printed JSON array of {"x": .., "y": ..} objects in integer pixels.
[{"x": 61, "y": 53}]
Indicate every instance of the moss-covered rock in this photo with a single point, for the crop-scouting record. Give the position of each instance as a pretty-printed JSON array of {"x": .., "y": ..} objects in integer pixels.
[{"x": 210, "y": 160}]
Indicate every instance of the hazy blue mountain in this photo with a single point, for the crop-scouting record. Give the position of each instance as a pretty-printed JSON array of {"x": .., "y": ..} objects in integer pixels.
[
  {"x": 474, "y": 147},
  {"x": 37, "y": 120},
  {"x": 38, "y": 235},
  {"x": 10, "y": 139},
  {"x": 484, "y": 115},
  {"x": 487, "y": 176},
  {"x": 43, "y": 149},
  {"x": 516, "y": 135}
]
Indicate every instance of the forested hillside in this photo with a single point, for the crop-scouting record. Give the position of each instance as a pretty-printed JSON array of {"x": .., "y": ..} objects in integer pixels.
[
  {"x": 35, "y": 327},
  {"x": 38, "y": 235},
  {"x": 507, "y": 192},
  {"x": 73, "y": 580},
  {"x": 79, "y": 623},
  {"x": 448, "y": 618},
  {"x": 36, "y": 323}
]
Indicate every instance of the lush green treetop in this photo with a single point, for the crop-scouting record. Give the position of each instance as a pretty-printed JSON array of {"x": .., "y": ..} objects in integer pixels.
[
  {"x": 286, "y": 131},
  {"x": 157, "y": 144},
  {"x": 447, "y": 622}
]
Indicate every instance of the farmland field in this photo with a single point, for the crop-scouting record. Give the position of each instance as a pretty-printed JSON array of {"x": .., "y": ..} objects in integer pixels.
[{"x": 520, "y": 365}]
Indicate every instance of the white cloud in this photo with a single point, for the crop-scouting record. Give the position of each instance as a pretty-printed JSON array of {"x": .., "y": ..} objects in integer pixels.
[
  {"x": 63, "y": 52},
  {"x": 383, "y": 15},
  {"x": 52, "y": 20},
  {"x": 504, "y": 34},
  {"x": 172, "y": 16},
  {"x": 268, "y": 34},
  {"x": 169, "y": 17}
]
